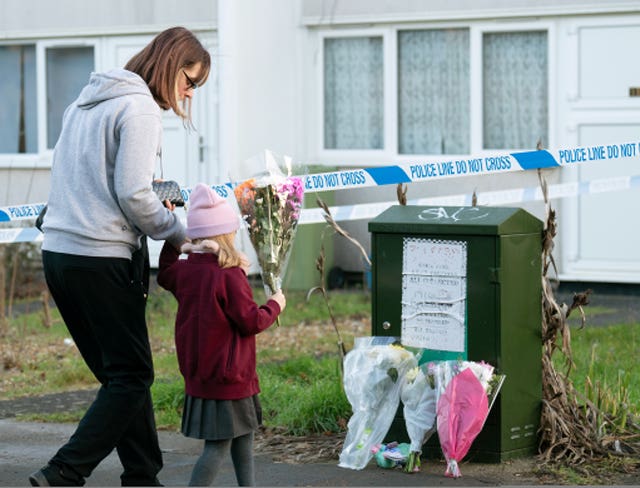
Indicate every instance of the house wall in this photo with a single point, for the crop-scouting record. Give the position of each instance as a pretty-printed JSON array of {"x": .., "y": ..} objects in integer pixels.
[
  {"x": 589, "y": 103},
  {"x": 261, "y": 82},
  {"x": 38, "y": 18},
  {"x": 268, "y": 61},
  {"x": 24, "y": 178},
  {"x": 21, "y": 185},
  {"x": 360, "y": 11}
]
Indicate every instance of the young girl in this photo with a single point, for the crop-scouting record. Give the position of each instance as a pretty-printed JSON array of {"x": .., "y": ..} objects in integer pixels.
[{"x": 215, "y": 331}]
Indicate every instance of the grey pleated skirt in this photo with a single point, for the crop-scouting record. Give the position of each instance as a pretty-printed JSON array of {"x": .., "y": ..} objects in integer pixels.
[{"x": 220, "y": 419}]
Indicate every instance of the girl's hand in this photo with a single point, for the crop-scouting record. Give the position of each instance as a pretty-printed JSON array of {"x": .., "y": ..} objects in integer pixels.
[
  {"x": 279, "y": 299},
  {"x": 180, "y": 247}
]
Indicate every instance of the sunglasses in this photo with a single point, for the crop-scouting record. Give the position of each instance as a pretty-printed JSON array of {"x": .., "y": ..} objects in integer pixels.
[{"x": 192, "y": 84}]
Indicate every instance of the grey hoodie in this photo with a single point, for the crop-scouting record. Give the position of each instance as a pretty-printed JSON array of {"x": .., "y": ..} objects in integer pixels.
[{"x": 101, "y": 201}]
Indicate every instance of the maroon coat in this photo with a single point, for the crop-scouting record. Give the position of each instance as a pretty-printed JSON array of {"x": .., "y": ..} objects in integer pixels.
[{"x": 216, "y": 324}]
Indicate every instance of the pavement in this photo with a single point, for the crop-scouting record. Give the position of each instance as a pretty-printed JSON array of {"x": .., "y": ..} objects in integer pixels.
[{"x": 26, "y": 446}]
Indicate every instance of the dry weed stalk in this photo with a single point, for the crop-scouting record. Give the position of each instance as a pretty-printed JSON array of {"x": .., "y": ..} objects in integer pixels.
[
  {"x": 340, "y": 231},
  {"x": 4, "y": 323},
  {"x": 12, "y": 283},
  {"x": 571, "y": 431},
  {"x": 47, "y": 320},
  {"x": 320, "y": 266},
  {"x": 320, "y": 261},
  {"x": 401, "y": 192}
]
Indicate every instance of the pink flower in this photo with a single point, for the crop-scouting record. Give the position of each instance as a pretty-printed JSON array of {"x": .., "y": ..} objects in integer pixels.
[{"x": 271, "y": 206}]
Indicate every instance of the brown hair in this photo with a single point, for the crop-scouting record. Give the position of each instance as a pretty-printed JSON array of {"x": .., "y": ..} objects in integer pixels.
[
  {"x": 228, "y": 255},
  {"x": 161, "y": 62}
]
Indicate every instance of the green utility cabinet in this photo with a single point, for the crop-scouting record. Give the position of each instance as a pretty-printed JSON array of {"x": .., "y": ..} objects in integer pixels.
[{"x": 465, "y": 282}]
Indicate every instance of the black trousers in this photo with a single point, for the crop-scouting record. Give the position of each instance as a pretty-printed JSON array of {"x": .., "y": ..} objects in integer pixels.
[{"x": 102, "y": 302}]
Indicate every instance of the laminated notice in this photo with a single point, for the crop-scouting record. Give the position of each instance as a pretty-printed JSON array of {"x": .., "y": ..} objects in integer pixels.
[{"x": 434, "y": 288}]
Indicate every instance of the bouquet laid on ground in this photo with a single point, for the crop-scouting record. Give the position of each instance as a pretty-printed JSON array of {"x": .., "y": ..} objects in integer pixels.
[
  {"x": 465, "y": 391},
  {"x": 270, "y": 204},
  {"x": 391, "y": 455},
  {"x": 373, "y": 375},
  {"x": 418, "y": 395}
]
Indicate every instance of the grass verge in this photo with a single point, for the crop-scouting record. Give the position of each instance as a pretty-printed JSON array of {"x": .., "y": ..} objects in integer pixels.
[{"x": 297, "y": 363}]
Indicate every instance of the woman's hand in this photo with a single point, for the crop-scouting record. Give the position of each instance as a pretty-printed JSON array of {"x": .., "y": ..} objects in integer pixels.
[{"x": 169, "y": 205}]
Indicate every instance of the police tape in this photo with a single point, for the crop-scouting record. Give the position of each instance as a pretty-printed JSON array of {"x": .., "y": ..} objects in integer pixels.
[
  {"x": 493, "y": 198},
  {"x": 420, "y": 172},
  {"x": 23, "y": 234},
  {"x": 413, "y": 173},
  {"x": 472, "y": 166},
  {"x": 27, "y": 211},
  {"x": 373, "y": 209}
]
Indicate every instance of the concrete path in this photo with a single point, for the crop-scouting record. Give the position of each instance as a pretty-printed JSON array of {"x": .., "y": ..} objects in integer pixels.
[{"x": 26, "y": 446}]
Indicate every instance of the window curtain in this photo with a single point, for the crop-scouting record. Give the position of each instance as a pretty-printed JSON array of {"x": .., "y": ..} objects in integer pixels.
[
  {"x": 515, "y": 93},
  {"x": 353, "y": 93},
  {"x": 18, "y": 116},
  {"x": 433, "y": 91}
]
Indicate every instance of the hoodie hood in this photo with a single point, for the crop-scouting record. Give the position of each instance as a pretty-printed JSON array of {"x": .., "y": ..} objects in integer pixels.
[
  {"x": 112, "y": 84},
  {"x": 101, "y": 201}
]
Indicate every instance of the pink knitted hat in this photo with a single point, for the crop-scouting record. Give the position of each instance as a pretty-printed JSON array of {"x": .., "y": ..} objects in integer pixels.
[{"x": 209, "y": 214}]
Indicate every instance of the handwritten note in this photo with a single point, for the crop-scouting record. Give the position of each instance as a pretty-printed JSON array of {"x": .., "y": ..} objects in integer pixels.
[
  {"x": 434, "y": 258},
  {"x": 434, "y": 294}
]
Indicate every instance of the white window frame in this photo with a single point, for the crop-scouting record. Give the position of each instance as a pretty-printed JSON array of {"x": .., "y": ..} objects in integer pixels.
[
  {"x": 389, "y": 153},
  {"x": 42, "y": 158}
]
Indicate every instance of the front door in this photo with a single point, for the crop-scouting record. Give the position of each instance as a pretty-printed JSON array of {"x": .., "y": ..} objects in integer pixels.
[{"x": 598, "y": 231}]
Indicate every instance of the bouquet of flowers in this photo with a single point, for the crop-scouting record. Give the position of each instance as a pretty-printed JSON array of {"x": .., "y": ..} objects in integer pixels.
[
  {"x": 466, "y": 391},
  {"x": 373, "y": 375},
  {"x": 270, "y": 204},
  {"x": 390, "y": 455},
  {"x": 418, "y": 395}
]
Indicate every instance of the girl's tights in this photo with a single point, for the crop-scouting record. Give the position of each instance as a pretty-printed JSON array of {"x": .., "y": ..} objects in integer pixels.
[{"x": 208, "y": 464}]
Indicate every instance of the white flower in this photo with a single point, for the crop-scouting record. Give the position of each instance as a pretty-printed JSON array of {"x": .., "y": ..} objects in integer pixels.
[
  {"x": 483, "y": 371},
  {"x": 411, "y": 375}
]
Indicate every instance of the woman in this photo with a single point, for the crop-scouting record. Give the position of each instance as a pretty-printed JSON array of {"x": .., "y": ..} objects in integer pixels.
[{"x": 100, "y": 208}]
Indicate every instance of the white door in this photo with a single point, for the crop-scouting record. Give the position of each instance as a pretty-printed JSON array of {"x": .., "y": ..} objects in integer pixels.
[
  {"x": 188, "y": 156},
  {"x": 599, "y": 233}
]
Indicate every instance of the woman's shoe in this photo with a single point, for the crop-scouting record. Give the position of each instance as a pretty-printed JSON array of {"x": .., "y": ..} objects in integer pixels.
[{"x": 52, "y": 475}]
